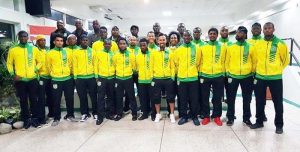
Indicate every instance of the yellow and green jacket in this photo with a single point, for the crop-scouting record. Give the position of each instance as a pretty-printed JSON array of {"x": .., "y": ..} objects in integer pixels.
[
  {"x": 43, "y": 71},
  {"x": 144, "y": 66},
  {"x": 124, "y": 64},
  {"x": 24, "y": 61},
  {"x": 212, "y": 60},
  {"x": 198, "y": 42},
  {"x": 59, "y": 63},
  {"x": 271, "y": 59},
  {"x": 255, "y": 39},
  {"x": 163, "y": 64},
  {"x": 153, "y": 47},
  {"x": 134, "y": 49},
  {"x": 103, "y": 64},
  {"x": 225, "y": 42},
  {"x": 187, "y": 59},
  {"x": 240, "y": 60},
  {"x": 98, "y": 46},
  {"x": 83, "y": 63}
]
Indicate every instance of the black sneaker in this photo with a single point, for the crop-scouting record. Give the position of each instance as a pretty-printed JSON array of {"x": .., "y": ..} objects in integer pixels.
[
  {"x": 230, "y": 122},
  {"x": 27, "y": 124},
  {"x": 118, "y": 117},
  {"x": 66, "y": 117},
  {"x": 265, "y": 119},
  {"x": 35, "y": 123},
  {"x": 256, "y": 126},
  {"x": 153, "y": 117},
  {"x": 196, "y": 122},
  {"x": 247, "y": 122},
  {"x": 134, "y": 118},
  {"x": 279, "y": 130},
  {"x": 182, "y": 121},
  {"x": 126, "y": 110},
  {"x": 99, "y": 121},
  {"x": 143, "y": 117},
  {"x": 110, "y": 117}
]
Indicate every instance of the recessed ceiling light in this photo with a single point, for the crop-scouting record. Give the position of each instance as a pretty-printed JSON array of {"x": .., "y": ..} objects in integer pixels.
[
  {"x": 167, "y": 13},
  {"x": 146, "y": 1}
]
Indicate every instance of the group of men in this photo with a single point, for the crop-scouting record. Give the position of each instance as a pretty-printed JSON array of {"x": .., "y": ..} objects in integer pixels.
[{"x": 179, "y": 64}]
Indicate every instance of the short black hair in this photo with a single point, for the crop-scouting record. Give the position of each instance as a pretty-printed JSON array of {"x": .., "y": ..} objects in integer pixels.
[
  {"x": 162, "y": 34},
  {"x": 103, "y": 27},
  {"x": 269, "y": 23},
  {"x": 213, "y": 29},
  {"x": 115, "y": 27},
  {"x": 83, "y": 36},
  {"x": 122, "y": 38},
  {"x": 107, "y": 40},
  {"x": 150, "y": 32},
  {"x": 256, "y": 24},
  {"x": 57, "y": 35},
  {"x": 134, "y": 26},
  {"x": 144, "y": 40},
  {"x": 22, "y": 32},
  {"x": 174, "y": 32},
  {"x": 188, "y": 31}
]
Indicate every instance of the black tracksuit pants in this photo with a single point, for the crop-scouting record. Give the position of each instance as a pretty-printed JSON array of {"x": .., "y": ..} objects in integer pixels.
[
  {"x": 276, "y": 89},
  {"x": 66, "y": 87},
  {"x": 28, "y": 90},
  {"x": 217, "y": 85},
  {"x": 105, "y": 88},
  {"x": 144, "y": 92},
  {"x": 247, "y": 90},
  {"x": 45, "y": 97},
  {"x": 126, "y": 86},
  {"x": 84, "y": 87}
]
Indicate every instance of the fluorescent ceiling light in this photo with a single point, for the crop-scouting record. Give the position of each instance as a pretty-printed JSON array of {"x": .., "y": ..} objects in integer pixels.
[{"x": 167, "y": 13}]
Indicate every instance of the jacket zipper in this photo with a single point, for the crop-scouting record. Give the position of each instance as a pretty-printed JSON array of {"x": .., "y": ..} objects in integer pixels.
[
  {"x": 145, "y": 65},
  {"x": 266, "y": 59},
  {"x": 187, "y": 63},
  {"x": 212, "y": 60},
  {"x": 87, "y": 62},
  {"x": 25, "y": 63},
  {"x": 163, "y": 63},
  {"x": 123, "y": 63},
  {"x": 61, "y": 63},
  {"x": 241, "y": 60}
]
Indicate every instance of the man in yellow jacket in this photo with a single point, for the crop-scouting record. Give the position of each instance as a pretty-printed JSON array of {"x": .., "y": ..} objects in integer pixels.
[
  {"x": 124, "y": 62},
  {"x": 256, "y": 34},
  {"x": 272, "y": 56},
  {"x": 151, "y": 39},
  {"x": 144, "y": 63},
  {"x": 23, "y": 63},
  {"x": 240, "y": 69},
  {"x": 59, "y": 64},
  {"x": 163, "y": 78},
  {"x": 45, "y": 94},
  {"x": 105, "y": 74},
  {"x": 212, "y": 72},
  {"x": 187, "y": 61},
  {"x": 256, "y": 37},
  {"x": 98, "y": 45},
  {"x": 84, "y": 76}
]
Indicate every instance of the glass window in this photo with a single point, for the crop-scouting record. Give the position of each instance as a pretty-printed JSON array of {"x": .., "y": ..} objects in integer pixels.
[
  {"x": 7, "y": 36},
  {"x": 71, "y": 19},
  {"x": 56, "y": 15}
]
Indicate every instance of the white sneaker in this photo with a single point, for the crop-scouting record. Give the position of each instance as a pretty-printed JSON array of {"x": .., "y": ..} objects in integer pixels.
[
  {"x": 84, "y": 117},
  {"x": 157, "y": 118},
  {"x": 172, "y": 117},
  {"x": 95, "y": 117}
]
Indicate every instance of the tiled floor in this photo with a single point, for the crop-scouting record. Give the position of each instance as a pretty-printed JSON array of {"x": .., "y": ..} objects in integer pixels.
[{"x": 144, "y": 136}]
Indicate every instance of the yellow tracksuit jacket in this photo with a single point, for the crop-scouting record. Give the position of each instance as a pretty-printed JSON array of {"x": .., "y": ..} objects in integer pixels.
[
  {"x": 124, "y": 64},
  {"x": 198, "y": 42},
  {"x": 255, "y": 39},
  {"x": 103, "y": 65},
  {"x": 212, "y": 60},
  {"x": 153, "y": 47},
  {"x": 240, "y": 60},
  {"x": 59, "y": 64},
  {"x": 24, "y": 61},
  {"x": 225, "y": 42},
  {"x": 43, "y": 71},
  {"x": 271, "y": 59},
  {"x": 98, "y": 46},
  {"x": 144, "y": 66},
  {"x": 83, "y": 63},
  {"x": 163, "y": 64},
  {"x": 187, "y": 59}
]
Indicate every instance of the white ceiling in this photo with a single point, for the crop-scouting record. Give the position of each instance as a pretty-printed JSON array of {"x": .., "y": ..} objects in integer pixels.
[{"x": 202, "y": 13}]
